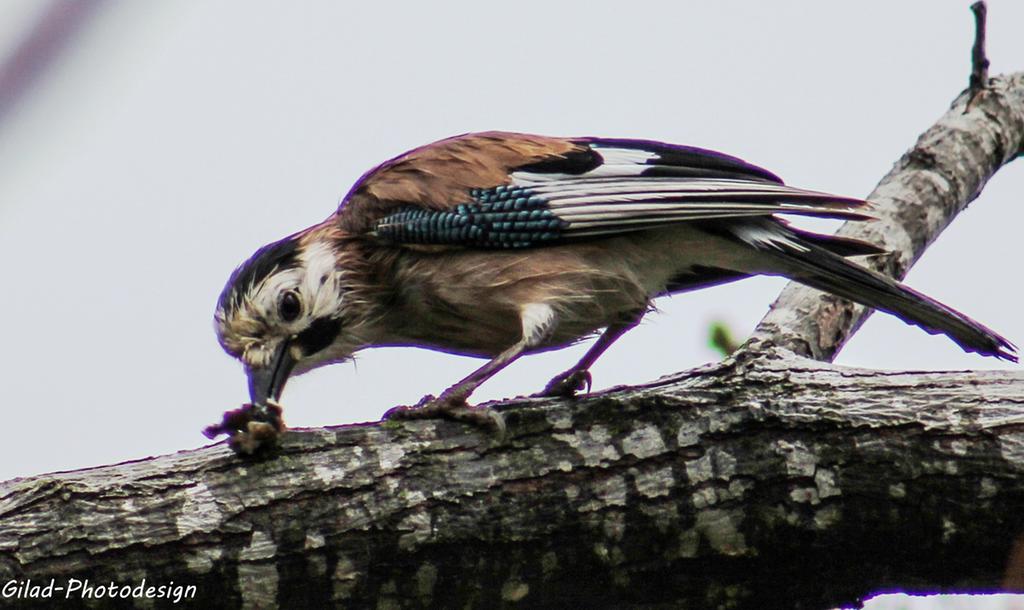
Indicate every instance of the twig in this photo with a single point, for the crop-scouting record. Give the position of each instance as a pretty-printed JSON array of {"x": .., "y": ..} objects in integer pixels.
[{"x": 979, "y": 62}]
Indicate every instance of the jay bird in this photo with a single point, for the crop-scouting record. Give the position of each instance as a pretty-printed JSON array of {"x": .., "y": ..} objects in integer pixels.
[{"x": 497, "y": 244}]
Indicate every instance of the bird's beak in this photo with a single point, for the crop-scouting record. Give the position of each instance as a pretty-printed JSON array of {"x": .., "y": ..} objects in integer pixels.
[{"x": 267, "y": 382}]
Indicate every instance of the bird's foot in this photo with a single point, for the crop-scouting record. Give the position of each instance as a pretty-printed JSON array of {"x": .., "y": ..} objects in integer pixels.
[
  {"x": 566, "y": 385},
  {"x": 427, "y": 408},
  {"x": 450, "y": 406},
  {"x": 250, "y": 428}
]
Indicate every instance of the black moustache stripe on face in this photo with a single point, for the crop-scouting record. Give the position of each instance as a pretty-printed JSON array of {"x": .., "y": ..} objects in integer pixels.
[{"x": 320, "y": 334}]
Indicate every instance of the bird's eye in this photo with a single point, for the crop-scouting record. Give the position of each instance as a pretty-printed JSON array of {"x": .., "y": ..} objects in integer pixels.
[{"x": 289, "y": 307}]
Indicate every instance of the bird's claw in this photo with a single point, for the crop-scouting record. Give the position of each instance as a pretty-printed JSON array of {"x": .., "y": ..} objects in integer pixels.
[
  {"x": 567, "y": 385},
  {"x": 426, "y": 400},
  {"x": 453, "y": 408},
  {"x": 250, "y": 428},
  {"x": 427, "y": 407}
]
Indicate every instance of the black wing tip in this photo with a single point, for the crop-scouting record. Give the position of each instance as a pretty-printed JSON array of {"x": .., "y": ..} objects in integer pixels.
[
  {"x": 1004, "y": 350},
  {"x": 987, "y": 342}
]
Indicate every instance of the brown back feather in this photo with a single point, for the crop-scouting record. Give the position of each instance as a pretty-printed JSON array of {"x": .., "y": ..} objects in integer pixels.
[{"x": 438, "y": 176}]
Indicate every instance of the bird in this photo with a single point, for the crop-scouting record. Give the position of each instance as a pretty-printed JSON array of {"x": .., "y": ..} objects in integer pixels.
[{"x": 498, "y": 244}]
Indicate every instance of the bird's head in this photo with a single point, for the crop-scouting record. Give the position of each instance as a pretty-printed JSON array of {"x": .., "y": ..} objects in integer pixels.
[{"x": 283, "y": 312}]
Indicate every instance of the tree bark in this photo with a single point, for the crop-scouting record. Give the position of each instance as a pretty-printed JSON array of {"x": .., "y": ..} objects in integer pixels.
[
  {"x": 764, "y": 481},
  {"x": 758, "y": 482},
  {"x": 761, "y": 482}
]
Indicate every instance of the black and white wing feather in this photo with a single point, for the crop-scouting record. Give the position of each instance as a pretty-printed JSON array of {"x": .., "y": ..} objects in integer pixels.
[{"x": 604, "y": 187}]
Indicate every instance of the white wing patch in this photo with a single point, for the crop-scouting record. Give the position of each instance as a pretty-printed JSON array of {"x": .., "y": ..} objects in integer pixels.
[
  {"x": 621, "y": 161},
  {"x": 617, "y": 162}
]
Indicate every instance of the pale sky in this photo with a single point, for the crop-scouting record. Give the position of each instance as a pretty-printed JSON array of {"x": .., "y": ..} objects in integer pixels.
[{"x": 173, "y": 139}]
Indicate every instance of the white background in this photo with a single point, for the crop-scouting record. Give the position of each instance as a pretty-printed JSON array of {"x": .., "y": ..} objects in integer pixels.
[{"x": 171, "y": 140}]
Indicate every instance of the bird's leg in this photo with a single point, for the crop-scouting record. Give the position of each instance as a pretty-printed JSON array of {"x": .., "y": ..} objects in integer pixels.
[
  {"x": 451, "y": 403},
  {"x": 578, "y": 377},
  {"x": 538, "y": 321}
]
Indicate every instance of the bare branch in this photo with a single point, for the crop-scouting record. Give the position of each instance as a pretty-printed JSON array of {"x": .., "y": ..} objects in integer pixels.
[{"x": 933, "y": 182}]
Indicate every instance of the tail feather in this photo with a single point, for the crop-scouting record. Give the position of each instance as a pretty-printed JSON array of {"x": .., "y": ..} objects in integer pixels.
[
  {"x": 843, "y": 246},
  {"x": 812, "y": 262}
]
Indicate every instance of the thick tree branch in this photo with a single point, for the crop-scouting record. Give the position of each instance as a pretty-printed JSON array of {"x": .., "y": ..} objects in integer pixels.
[
  {"x": 729, "y": 485},
  {"x": 932, "y": 183}
]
